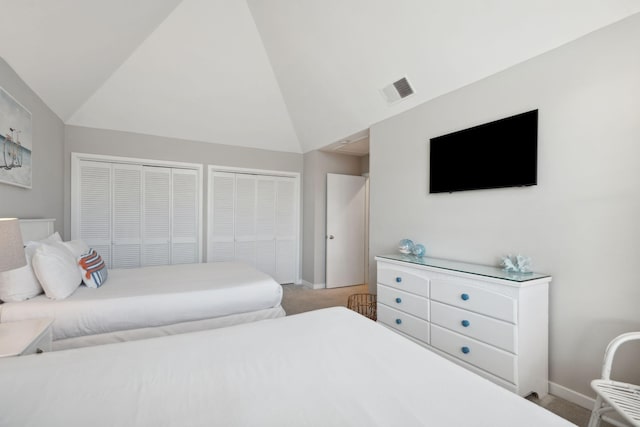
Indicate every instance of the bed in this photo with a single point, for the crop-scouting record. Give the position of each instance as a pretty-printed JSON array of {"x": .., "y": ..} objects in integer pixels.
[
  {"x": 152, "y": 301},
  {"x": 323, "y": 368}
]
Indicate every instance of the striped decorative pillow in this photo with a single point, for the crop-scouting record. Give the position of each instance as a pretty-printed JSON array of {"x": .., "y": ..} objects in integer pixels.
[{"x": 93, "y": 269}]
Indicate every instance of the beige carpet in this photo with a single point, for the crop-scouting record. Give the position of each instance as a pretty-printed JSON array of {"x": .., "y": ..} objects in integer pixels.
[{"x": 298, "y": 299}]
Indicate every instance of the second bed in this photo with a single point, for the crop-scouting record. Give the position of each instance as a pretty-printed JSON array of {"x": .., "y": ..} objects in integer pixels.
[{"x": 155, "y": 301}]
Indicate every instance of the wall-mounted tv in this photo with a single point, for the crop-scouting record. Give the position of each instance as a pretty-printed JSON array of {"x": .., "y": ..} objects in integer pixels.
[{"x": 503, "y": 153}]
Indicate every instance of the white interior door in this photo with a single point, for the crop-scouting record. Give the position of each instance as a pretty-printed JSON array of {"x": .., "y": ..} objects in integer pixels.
[
  {"x": 92, "y": 219},
  {"x": 184, "y": 215},
  {"x": 286, "y": 232},
  {"x": 345, "y": 261},
  {"x": 126, "y": 235},
  {"x": 221, "y": 243},
  {"x": 156, "y": 205}
]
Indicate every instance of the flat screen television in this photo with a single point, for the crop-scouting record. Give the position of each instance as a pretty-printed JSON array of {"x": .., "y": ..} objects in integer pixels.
[{"x": 503, "y": 153}]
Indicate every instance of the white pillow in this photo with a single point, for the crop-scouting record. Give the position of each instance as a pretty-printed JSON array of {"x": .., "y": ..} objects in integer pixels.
[
  {"x": 56, "y": 270},
  {"x": 76, "y": 247},
  {"x": 19, "y": 284},
  {"x": 32, "y": 245}
]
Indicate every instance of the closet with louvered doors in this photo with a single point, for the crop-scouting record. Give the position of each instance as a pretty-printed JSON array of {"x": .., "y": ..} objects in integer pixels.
[
  {"x": 135, "y": 214},
  {"x": 253, "y": 218}
]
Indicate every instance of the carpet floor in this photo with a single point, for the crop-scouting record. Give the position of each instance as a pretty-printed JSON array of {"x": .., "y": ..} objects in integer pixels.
[{"x": 298, "y": 299}]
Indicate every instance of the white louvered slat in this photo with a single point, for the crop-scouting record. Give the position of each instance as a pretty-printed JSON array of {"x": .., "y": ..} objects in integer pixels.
[
  {"x": 285, "y": 208},
  {"x": 246, "y": 252},
  {"x": 265, "y": 208},
  {"x": 156, "y": 254},
  {"x": 184, "y": 253},
  {"x": 286, "y": 230},
  {"x": 126, "y": 256},
  {"x": 221, "y": 251},
  {"x": 156, "y": 248},
  {"x": 245, "y": 207},
  {"x": 126, "y": 220},
  {"x": 95, "y": 206},
  {"x": 285, "y": 261},
  {"x": 184, "y": 226},
  {"x": 266, "y": 256},
  {"x": 266, "y": 225},
  {"x": 221, "y": 229},
  {"x": 127, "y": 211}
]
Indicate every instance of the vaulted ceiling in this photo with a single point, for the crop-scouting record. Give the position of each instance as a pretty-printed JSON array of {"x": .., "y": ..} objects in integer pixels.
[{"x": 286, "y": 75}]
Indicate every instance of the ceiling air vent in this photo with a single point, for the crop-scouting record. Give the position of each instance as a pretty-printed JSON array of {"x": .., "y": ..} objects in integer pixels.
[{"x": 397, "y": 90}]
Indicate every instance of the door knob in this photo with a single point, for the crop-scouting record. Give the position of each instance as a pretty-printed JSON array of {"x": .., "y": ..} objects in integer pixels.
[{"x": 331, "y": 237}]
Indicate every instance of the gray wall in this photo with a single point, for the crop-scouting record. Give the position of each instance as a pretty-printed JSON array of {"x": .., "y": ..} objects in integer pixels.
[
  {"x": 125, "y": 144},
  {"x": 317, "y": 164},
  {"x": 44, "y": 199},
  {"x": 581, "y": 223}
]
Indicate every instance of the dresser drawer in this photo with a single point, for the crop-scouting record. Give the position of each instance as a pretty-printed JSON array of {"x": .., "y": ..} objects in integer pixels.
[
  {"x": 483, "y": 356},
  {"x": 474, "y": 299},
  {"x": 404, "y": 322},
  {"x": 406, "y": 279},
  {"x": 409, "y": 303},
  {"x": 486, "y": 329}
]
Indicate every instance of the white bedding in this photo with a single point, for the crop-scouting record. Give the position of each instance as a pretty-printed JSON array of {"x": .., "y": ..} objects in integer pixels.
[
  {"x": 330, "y": 367},
  {"x": 153, "y": 296}
]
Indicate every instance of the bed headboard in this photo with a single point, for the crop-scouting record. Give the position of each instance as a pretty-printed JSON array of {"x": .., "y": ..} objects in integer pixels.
[{"x": 36, "y": 229}]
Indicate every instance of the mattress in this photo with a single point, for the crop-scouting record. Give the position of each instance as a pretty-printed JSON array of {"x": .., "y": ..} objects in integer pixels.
[
  {"x": 153, "y": 296},
  {"x": 324, "y": 368}
]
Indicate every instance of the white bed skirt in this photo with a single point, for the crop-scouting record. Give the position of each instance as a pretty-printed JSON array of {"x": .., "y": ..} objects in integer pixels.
[{"x": 161, "y": 331}]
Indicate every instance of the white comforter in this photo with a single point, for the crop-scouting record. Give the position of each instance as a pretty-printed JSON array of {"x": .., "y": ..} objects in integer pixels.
[
  {"x": 330, "y": 367},
  {"x": 153, "y": 296}
]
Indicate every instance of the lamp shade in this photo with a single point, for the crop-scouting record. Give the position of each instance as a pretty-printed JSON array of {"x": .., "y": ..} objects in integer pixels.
[{"x": 11, "y": 246}]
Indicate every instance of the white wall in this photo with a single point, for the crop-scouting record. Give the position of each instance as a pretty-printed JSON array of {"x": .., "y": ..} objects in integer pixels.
[
  {"x": 44, "y": 199},
  {"x": 581, "y": 223}
]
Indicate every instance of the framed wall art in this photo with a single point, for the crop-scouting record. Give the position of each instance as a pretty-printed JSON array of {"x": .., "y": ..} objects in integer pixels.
[{"x": 15, "y": 142}]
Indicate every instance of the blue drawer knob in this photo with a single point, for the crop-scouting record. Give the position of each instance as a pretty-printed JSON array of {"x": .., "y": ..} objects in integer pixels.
[
  {"x": 398, "y": 279},
  {"x": 464, "y": 296},
  {"x": 465, "y": 349},
  {"x": 398, "y": 321},
  {"x": 398, "y": 300},
  {"x": 465, "y": 323}
]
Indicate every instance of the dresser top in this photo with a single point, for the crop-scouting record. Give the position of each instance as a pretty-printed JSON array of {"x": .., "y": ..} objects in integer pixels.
[{"x": 463, "y": 267}]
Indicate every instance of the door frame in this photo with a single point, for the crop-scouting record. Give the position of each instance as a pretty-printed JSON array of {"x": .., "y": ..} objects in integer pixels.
[{"x": 264, "y": 172}]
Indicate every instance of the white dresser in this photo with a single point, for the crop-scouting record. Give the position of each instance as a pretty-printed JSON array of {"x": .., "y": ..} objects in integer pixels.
[{"x": 486, "y": 320}]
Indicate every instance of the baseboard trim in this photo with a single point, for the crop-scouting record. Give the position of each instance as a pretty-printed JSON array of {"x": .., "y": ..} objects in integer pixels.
[
  {"x": 313, "y": 285},
  {"x": 571, "y": 395}
]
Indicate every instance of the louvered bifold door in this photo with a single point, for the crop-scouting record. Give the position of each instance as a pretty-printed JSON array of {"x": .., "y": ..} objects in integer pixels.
[
  {"x": 221, "y": 244},
  {"x": 156, "y": 208},
  {"x": 244, "y": 218},
  {"x": 127, "y": 216},
  {"x": 93, "y": 224},
  {"x": 286, "y": 230},
  {"x": 266, "y": 225},
  {"x": 184, "y": 227}
]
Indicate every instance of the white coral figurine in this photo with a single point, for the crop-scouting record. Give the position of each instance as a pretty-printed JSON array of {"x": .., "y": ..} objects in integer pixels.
[{"x": 516, "y": 264}]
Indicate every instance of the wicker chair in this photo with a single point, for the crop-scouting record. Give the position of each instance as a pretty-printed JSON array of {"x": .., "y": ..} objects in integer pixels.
[
  {"x": 365, "y": 304},
  {"x": 617, "y": 396}
]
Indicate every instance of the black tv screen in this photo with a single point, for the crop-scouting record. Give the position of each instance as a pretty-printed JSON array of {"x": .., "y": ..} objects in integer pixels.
[{"x": 503, "y": 153}]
